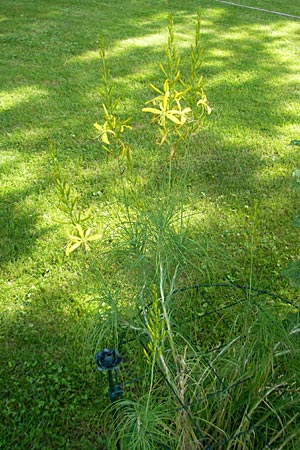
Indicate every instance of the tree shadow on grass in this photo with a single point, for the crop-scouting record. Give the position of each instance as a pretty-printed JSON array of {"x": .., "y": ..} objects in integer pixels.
[
  {"x": 18, "y": 227},
  {"x": 50, "y": 396}
]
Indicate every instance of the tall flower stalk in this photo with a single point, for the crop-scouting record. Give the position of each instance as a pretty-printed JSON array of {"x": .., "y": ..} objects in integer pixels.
[
  {"x": 112, "y": 128},
  {"x": 181, "y": 105}
]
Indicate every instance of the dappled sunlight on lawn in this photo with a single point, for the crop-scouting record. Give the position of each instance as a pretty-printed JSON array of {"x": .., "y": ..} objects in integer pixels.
[
  {"x": 10, "y": 99},
  {"x": 27, "y": 135},
  {"x": 247, "y": 69},
  {"x": 156, "y": 39},
  {"x": 90, "y": 55}
]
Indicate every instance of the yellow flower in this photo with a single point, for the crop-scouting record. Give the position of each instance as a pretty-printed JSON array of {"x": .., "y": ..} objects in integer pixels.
[{"x": 83, "y": 238}]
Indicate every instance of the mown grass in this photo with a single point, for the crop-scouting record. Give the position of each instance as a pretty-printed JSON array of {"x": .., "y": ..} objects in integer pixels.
[{"x": 238, "y": 201}]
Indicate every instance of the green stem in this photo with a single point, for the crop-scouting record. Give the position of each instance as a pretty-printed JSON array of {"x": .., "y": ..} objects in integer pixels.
[
  {"x": 170, "y": 178},
  {"x": 151, "y": 380},
  {"x": 165, "y": 313}
]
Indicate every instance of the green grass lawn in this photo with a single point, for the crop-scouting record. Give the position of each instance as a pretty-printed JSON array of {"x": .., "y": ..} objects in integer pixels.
[{"x": 234, "y": 190}]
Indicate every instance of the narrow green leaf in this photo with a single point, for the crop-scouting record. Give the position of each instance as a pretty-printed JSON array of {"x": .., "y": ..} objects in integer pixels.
[
  {"x": 152, "y": 110},
  {"x": 71, "y": 247},
  {"x": 155, "y": 89},
  {"x": 173, "y": 118}
]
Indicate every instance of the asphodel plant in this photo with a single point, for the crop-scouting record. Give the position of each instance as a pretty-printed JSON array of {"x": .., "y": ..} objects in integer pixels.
[
  {"x": 79, "y": 234},
  {"x": 181, "y": 105},
  {"x": 112, "y": 128}
]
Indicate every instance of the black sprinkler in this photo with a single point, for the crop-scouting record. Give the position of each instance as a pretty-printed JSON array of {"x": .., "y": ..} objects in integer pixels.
[{"x": 108, "y": 359}]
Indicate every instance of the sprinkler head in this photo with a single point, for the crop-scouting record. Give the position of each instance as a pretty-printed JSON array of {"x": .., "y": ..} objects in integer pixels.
[{"x": 107, "y": 359}]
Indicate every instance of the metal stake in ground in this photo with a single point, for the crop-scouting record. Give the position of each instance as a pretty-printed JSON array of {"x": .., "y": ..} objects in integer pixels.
[{"x": 108, "y": 360}]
